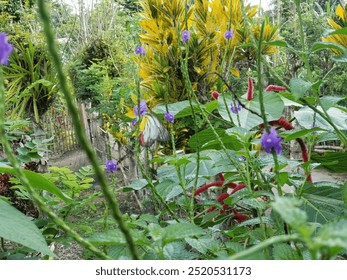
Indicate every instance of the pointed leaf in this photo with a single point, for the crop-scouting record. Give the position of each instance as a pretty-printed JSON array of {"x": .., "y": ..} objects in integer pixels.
[
  {"x": 180, "y": 231},
  {"x": 18, "y": 228},
  {"x": 39, "y": 182}
]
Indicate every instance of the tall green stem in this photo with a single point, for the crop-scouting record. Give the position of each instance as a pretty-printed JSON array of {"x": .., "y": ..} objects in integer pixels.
[
  {"x": 80, "y": 133},
  {"x": 25, "y": 182}
]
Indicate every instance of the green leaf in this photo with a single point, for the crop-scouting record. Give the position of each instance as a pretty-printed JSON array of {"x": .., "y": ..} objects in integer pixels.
[
  {"x": 274, "y": 107},
  {"x": 180, "y": 231},
  {"x": 202, "y": 245},
  {"x": 299, "y": 87},
  {"x": 178, "y": 109},
  {"x": 330, "y": 101},
  {"x": 136, "y": 185},
  {"x": 205, "y": 136},
  {"x": 305, "y": 117},
  {"x": 18, "y": 228},
  {"x": 168, "y": 189},
  {"x": 323, "y": 204},
  {"x": 344, "y": 193},
  {"x": 327, "y": 45},
  {"x": 177, "y": 251},
  {"x": 284, "y": 251},
  {"x": 289, "y": 210},
  {"x": 293, "y": 134},
  {"x": 110, "y": 237},
  {"x": 39, "y": 182},
  {"x": 119, "y": 252},
  {"x": 332, "y": 236},
  {"x": 333, "y": 161}
]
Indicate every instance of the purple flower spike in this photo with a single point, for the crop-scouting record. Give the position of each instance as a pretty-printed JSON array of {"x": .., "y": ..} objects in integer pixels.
[
  {"x": 271, "y": 140},
  {"x": 169, "y": 117},
  {"x": 111, "y": 166},
  {"x": 140, "y": 50},
  {"x": 143, "y": 109},
  {"x": 134, "y": 122},
  {"x": 236, "y": 109},
  {"x": 229, "y": 34},
  {"x": 185, "y": 36},
  {"x": 5, "y": 49}
]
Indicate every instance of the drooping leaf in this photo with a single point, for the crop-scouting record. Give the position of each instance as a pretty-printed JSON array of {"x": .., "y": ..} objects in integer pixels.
[
  {"x": 37, "y": 181},
  {"x": 18, "y": 228}
]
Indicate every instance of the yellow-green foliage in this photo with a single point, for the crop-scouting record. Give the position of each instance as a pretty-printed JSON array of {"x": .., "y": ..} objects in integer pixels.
[
  {"x": 340, "y": 22},
  {"x": 162, "y": 23}
]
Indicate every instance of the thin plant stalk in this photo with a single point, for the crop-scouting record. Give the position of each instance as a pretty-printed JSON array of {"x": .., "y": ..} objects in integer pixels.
[
  {"x": 25, "y": 182},
  {"x": 81, "y": 136}
]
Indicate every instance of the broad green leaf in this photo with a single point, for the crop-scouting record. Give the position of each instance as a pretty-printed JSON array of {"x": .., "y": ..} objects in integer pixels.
[
  {"x": 211, "y": 106},
  {"x": 119, "y": 252},
  {"x": 203, "y": 137},
  {"x": 203, "y": 244},
  {"x": 284, "y": 251},
  {"x": 332, "y": 236},
  {"x": 136, "y": 185},
  {"x": 18, "y": 228},
  {"x": 305, "y": 116},
  {"x": 39, "y": 182},
  {"x": 256, "y": 221},
  {"x": 237, "y": 196},
  {"x": 289, "y": 210},
  {"x": 299, "y": 87},
  {"x": 323, "y": 204},
  {"x": 274, "y": 107},
  {"x": 177, "y": 251},
  {"x": 181, "y": 231},
  {"x": 333, "y": 161},
  {"x": 168, "y": 189},
  {"x": 293, "y": 134},
  {"x": 230, "y": 142},
  {"x": 173, "y": 108},
  {"x": 155, "y": 231},
  {"x": 330, "y": 101}
]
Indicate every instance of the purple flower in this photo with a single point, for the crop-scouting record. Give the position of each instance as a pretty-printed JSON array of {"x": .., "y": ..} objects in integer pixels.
[
  {"x": 229, "y": 34},
  {"x": 111, "y": 166},
  {"x": 169, "y": 117},
  {"x": 185, "y": 36},
  {"x": 271, "y": 140},
  {"x": 235, "y": 109},
  {"x": 140, "y": 50},
  {"x": 143, "y": 109},
  {"x": 5, "y": 49},
  {"x": 242, "y": 158},
  {"x": 134, "y": 122}
]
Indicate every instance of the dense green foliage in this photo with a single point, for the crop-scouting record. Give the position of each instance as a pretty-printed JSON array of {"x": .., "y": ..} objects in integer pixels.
[{"x": 223, "y": 196}]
